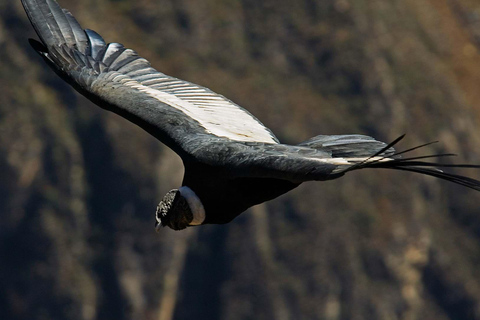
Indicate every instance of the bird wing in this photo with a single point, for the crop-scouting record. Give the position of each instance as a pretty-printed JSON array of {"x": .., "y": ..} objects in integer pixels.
[
  {"x": 321, "y": 158},
  {"x": 119, "y": 80},
  {"x": 241, "y": 159},
  {"x": 200, "y": 125}
]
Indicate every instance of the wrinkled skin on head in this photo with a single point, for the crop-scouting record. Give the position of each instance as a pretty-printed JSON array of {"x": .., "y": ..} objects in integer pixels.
[{"x": 173, "y": 211}]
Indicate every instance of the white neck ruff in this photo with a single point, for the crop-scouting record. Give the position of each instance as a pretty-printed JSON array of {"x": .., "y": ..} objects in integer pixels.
[{"x": 195, "y": 205}]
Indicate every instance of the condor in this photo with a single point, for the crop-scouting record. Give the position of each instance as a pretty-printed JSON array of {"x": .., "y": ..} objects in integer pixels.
[{"x": 232, "y": 161}]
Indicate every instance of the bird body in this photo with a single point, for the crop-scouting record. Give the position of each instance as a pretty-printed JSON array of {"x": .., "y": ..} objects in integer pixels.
[{"x": 232, "y": 161}]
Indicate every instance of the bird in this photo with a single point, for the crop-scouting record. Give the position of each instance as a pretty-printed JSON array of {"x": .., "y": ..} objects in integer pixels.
[{"x": 232, "y": 161}]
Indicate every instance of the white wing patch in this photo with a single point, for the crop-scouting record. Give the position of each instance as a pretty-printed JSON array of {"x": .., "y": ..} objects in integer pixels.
[{"x": 215, "y": 114}]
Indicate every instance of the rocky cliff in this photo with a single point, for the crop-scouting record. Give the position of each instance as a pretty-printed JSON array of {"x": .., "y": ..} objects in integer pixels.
[{"x": 79, "y": 186}]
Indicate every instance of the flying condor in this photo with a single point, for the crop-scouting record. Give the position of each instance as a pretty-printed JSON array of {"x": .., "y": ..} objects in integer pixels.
[{"x": 232, "y": 161}]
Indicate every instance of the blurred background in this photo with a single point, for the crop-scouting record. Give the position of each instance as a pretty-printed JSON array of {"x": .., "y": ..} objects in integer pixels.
[{"x": 79, "y": 186}]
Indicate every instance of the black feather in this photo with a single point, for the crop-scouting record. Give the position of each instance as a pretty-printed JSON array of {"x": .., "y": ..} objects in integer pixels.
[{"x": 413, "y": 164}]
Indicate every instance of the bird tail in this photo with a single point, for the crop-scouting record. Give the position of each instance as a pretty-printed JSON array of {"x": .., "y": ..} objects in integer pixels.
[{"x": 387, "y": 158}]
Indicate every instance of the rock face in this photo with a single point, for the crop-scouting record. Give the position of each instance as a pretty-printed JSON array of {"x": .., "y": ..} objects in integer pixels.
[{"x": 79, "y": 186}]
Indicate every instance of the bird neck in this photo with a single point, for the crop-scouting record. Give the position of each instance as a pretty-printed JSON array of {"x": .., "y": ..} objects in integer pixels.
[{"x": 195, "y": 205}]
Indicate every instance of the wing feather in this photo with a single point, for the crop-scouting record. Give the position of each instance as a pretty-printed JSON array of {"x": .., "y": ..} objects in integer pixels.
[
  {"x": 95, "y": 43},
  {"x": 322, "y": 158},
  {"x": 81, "y": 40},
  {"x": 118, "y": 79}
]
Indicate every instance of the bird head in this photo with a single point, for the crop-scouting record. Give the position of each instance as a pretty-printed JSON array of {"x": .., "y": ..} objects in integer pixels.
[
  {"x": 179, "y": 209},
  {"x": 173, "y": 211}
]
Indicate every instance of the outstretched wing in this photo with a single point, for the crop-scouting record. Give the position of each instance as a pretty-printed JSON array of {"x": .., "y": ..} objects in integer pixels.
[
  {"x": 118, "y": 79},
  {"x": 195, "y": 122},
  {"x": 305, "y": 162},
  {"x": 321, "y": 158}
]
